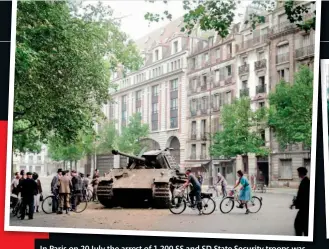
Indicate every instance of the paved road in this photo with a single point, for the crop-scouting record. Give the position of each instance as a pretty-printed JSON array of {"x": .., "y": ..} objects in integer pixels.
[{"x": 275, "y": 218}]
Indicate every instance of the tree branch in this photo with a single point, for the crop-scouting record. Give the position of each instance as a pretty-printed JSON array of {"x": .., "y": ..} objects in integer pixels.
[{"x": 24, "y": 130}]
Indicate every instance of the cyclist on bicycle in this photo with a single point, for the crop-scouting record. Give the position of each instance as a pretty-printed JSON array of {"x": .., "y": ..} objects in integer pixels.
[
  {"x": 245, "y": 191},
  {"x": 196, "y": 190},
  {"x": 221, "y": 181}
]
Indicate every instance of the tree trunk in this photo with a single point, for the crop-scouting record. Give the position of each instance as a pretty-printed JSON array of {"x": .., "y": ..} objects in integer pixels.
[
  {"x": 64, "y": 165},
  {"x": 75, "y": 165}
]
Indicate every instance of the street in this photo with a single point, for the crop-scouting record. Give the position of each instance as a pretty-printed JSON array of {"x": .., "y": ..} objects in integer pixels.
[{"x": 274, "y": 218}]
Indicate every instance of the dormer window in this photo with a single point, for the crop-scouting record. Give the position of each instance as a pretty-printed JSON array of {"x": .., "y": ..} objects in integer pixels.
[
  {"x": 156, "y": 55},
  {"x": 175, "y": 47}
]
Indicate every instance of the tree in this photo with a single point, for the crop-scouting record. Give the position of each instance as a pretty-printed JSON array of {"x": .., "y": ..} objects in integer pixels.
[
  {"x": 291, "y": 109},
  {"x": 131, "y": 135},
  {"x": 108, "y": 138},
  {"x": 219, "y": 15},
  {"x": 240, "y": 134},
  {"x": 64, "y": 60}
]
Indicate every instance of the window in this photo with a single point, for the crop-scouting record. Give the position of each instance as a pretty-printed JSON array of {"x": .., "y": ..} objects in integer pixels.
[
  {"x": 217, "y": 75},
  {"x": 193, "y": 63},
  {"x": 174, "y": 104},
  {"x": 174, "y": 85},
  {"x": 193, "y": 130},
  {"x": 203, "y": 128},
  {"x": 155, "y": 108},
  {"x": 262, "y": 80},
  {"x": 138, "y": 95},
  {"x": 306, "y": 40},
  {"x": 206, "y": 57},
  {"x": 30, "y": 158},
  {"x": 228, "y": 70},
  {"x": 203, "y": 151},
  {"x": 261, "y": 56},
  {"x": 281, "y": 74},
  {"x": 175, "y": 47},
  {"x": 156, "y": 55},
  {"x": 204, "y": 80},
  {"x": 139, "y": 110},
  {"x": 261, "y": 104},
  {"x": 173, "y": 122},
  {"x": 244, "y": 60},
  {"x": 211, "y": 41},
  {"x": 244, "y": 84},
  {"x": 194, "y": 82},
  {"x": 263, "y": 137},
  {"x": 193, "y": 151},
  {"x": 39, "y": 158},
  {"x": 218, "y": 53},
  {"x": 285, "y": 170},
  {"x": 228, "y": 97},
  {"x": 155, "y": 90},
  {"x": 229, "y": 50}
]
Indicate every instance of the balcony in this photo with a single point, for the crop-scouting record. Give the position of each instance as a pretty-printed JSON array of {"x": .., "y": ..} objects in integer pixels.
[
  {"x": 261, "y": 89},
  {"x": 244, "y": 69},
  {"x": 252, "y": 42},
  {"x": 193, "y": 136},
  {"x": 203, "y": 136},
  {"x": 203, "y": 156},
  {"x": 282, "y": 28},
  {"x": 228, "y": 81},
  {"x": 260, "y": 64},
  {"x": 244, "y": 92},
  {"x": 204, "y": 87},
  {"x": 282, "y": 58},
  {"x": 204, "y": 111},
  {"x": 193, "y": 113},
  {"x": 305, "y": 52}
]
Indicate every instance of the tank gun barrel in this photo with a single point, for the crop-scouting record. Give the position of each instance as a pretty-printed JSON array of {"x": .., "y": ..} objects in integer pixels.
[{"x": 116, "y": 152}]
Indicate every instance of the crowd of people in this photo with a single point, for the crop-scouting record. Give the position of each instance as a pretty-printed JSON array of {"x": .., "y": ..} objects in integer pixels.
[{"x": 67, "y": 186}]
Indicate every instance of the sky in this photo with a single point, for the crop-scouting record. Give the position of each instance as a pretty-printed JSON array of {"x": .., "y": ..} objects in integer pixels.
[{"x": 134, "y": 23}]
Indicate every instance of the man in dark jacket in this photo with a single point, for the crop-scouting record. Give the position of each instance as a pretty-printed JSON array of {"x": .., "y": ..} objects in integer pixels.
[
  {"x": 302, "y": 203},
  {"x": 76, "y": 189},
  {"x": 29, "y": 189},
  {"x": 54, "y": 190}
]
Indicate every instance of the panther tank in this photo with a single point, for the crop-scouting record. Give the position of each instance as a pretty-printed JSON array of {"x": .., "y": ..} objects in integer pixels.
[{"x": 147, "y": 181}]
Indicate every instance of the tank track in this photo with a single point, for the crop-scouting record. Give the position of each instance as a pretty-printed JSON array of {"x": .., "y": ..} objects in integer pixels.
[
  {"x": 105, "y": 194},
  {"x": 161, "y": 195}
]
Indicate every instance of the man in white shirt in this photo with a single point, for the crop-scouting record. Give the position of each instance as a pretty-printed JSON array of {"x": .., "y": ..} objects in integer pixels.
[{"x": 14, "y": 184}]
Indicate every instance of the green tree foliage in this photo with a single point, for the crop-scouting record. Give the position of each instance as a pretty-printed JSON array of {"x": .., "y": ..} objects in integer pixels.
[
  {"x": 218, "y": 15},
  {"x": 64, "y": 60},
  {"x": 108, "y": 136},
  {"x": 240, "y": 134},
  {"x": 131, "y": 135},
  {"x": 291, "y": 109}
]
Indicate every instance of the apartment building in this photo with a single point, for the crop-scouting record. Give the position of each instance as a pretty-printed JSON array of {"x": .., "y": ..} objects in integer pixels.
[
  {"x": 211, "y": 80},
  {"x": 289, "y": 48},
  {"x": 253, "y": 77},
  {"x": 157, "y": 91},
  {"x": 39, "y": 163}
]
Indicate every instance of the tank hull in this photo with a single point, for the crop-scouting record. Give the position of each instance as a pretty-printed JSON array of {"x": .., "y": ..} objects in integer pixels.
[{"x": 143, "y": 188}]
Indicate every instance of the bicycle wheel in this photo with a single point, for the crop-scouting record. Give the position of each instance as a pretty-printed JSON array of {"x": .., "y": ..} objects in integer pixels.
[
  {"x": 255, "y": 204},
  {"x": 47, "y": 204},
  {"x": 16, "y": 209},
  {"x": 178, "y": 205},
  {"x": 226, "y": 205},
  {"x": 81, "y": 206},
  {"x": 208, "y": 205}
]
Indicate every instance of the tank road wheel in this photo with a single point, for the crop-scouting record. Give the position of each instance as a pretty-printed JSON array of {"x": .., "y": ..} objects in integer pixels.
[
  {"x": 105, "y": 194},
  {"x": 161, "y": 195}
]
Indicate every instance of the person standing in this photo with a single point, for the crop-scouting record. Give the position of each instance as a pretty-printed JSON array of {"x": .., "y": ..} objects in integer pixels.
[
  {"x": 94, "y": 184},
  {"x": 14, "y": 184},
  {"x": 302, "y": 203},
  {"x": 54, "y": 189},
  {"x": 29, "y": 189},
  {"x": 64, "y": 190},
  {"x": 76, "y": 189},
  {"x": 39, "y": 193},
  {"x": 245, "y": 191},
  {"x": 221, "y": 181},
  {"x": 200, "y": 178}
]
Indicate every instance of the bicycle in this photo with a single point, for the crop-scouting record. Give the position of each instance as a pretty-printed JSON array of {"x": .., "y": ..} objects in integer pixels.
[
  {"x": 17, "y": 209},
  {"x": 47, "y": 204},
  {"x": 234, "y": 197},
  {"x": 181, "y": 200}
]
